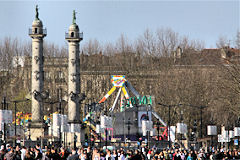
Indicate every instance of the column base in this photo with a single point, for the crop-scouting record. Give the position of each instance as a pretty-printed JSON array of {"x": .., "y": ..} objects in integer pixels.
[
  {"x": 37, "y": 131},
  {"x": 71, "y": 140},
  {"x": 74, "y": 121}
]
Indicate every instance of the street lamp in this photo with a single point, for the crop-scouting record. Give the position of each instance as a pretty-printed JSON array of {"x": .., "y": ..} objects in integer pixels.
[
  {"x": 237, "y": 130},
  {"x": 51, "y": 112},
  {"x": 15, "y": 111},
  {"x": 211, "y": 131},
  {"x": 169, "y": 119},
  {"x": 99, "y": 131},
  {"x": 128, "y": 124},
  {"x": 146, "y": 128},
  {"x": 201, "y": 107},
  {"x": 158, "y": 129},
  {"x": 4, "y": 107},
  {"x": 40, "y": 97},
  {"x": 90, "y": 133},
  {"x": 29, "y": 134},
  {"x": 60, "y": 111}
]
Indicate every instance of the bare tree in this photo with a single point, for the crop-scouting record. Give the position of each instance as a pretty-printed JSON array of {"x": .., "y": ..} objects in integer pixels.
[
  {"x": 222, "y": 42},
  {"x": 123, "y": 44},
  {"x": 167, "y": 41},
  {"x": 92, "y": 47},
  {"x": 146, "y": 44},
  {"x": 109, "y": 49},
  {"x": 237, "y": 41}
]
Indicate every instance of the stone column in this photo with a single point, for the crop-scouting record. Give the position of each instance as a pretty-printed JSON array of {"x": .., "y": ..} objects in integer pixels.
[
  {"x": 73, "y": 82},
  {"x": 37, "y": 78},
  {"x": 73, "y": 37},
  {"x": 37, "y": 33}
]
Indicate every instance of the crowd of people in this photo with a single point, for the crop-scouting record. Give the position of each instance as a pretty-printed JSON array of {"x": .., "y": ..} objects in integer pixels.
[{"x": 53, "y": 153}]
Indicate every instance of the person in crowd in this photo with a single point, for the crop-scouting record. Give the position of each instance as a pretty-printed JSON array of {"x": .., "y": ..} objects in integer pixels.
[
  {"x": 39, "y": 148},
  {"x": 63, "y": 154},
  {"x": 28, "y": 155},
  {"x": 2, "y": 152},
  {"x": 17, "y": 153},
  {"x": 54, "y": 154},
  {"x": 57, "y": 153},
  {"x": 149, "y": 154},
  {"x": 194, "y": 154},
  {"x": 73, "y": 155},
  {"x": 38, "y": 154},
  {"x": 182, "y": 155},
  {"x": 236, "y": 154},
  {"x": 32, "y": 152},
  {"x": 201, "y": 155},
  {"x": 81, "y": 154},
  {"x": 114, "y": 155},
  {"x": 10, "y": 154},
  {"x": 176, "y": 155},
  {"x": 166, "y": 154},
  {"x": 102, "y": 155},
  {"x": 48, "y": 154},
  {"x": 23, "y": 152},
  {"x": 96, "y": 154},
  {"x": 89, "y": 153},
  {"x": 190, "y": 157},
  {"x": 122, "y": 155},
  {"x": 161, "y": 156},
  {"x": 108, "y": 155}
]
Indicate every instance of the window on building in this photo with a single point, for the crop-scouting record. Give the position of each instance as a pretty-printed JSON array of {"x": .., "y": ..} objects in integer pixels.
[
  {"x": 35, "y": 30},
  {"x": 89, "y": 85},
  {"x": 46, "y": 75},
  {"x": 60, "y": 75},
  {"x": 72, "y": 34}
]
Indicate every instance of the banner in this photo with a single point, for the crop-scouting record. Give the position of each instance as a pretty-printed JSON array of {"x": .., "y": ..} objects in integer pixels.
[
  {"x": 181, "y": 128},
  {"x": 118, "y": 81},
  {"x": 231, "y": 134},
  {"x": 99, "y": 129},
  {"x": 221, "y": 138},
  {"x": 56, "y": 119},
  {"x": 142, "y": 115},
  {"x": 106, "y": 122},
  {"x": 153, "y": 132},
  {"x": 9, "y": 116},
  {"x": 144, "y": 127},
  {"x": 172, "y": 133},
  {"x": 147, "y": 125},
  {"x": 64, "y": 128},
  {"x": 212, "y": 130},
  {"x": 64, "y": 119},
  {"x": 1, "y": 116},
  {"x": 236, "y": 131},
  {"x": 236, "y": 142},
  {"x": 2, "y": 126},
  {"x": 75, "y": 128},
  {"x": 5, "y": 116}
]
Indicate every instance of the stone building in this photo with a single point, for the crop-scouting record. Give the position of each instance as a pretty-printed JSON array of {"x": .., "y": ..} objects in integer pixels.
[{"x": 96, "y": 72}]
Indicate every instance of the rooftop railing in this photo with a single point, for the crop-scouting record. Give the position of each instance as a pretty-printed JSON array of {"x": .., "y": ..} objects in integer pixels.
[
  {"x": 37, "y": 31},
  {"x": 74, "y": 36}
]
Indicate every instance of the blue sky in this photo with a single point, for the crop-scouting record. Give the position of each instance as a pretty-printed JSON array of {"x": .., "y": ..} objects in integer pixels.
[{"x": 106, "y": 20}]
